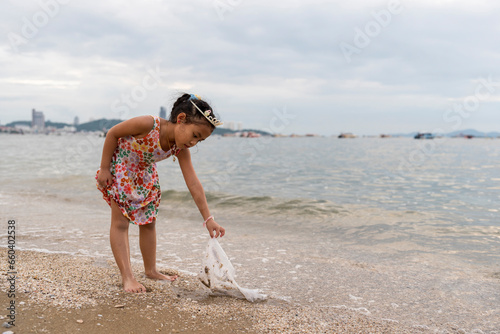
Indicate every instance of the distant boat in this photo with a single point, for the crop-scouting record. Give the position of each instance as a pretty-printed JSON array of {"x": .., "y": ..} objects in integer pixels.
[
  {"x": 461, "y": 135},
  {"x": 426, "y": 135},
  {"x": 250, "y": 134},
  {"x": 347, "y": 135}
]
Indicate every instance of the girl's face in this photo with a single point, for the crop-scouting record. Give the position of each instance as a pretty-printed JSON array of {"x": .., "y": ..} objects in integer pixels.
[{"x": 188, "y": 135}]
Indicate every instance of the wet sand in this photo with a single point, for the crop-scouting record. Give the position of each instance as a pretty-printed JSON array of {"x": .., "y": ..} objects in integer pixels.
[{"x": 68, "y": 294}]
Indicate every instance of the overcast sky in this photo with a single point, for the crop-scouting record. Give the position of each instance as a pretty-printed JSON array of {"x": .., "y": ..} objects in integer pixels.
[{"x": 296, "y": 66}]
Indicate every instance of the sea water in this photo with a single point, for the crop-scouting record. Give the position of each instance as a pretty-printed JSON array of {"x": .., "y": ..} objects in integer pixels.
[{"x": 394, "y": 228}]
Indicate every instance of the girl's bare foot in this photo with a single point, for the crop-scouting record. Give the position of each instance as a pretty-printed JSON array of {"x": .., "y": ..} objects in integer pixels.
[
  {"x": 131, "y": 285},
  {"x": 157, "y": 275}
]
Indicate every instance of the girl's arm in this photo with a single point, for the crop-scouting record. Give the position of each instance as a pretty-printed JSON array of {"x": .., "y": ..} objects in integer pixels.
[
  {"x": 196, "y": 190},
  {"x": 138, "y": 126}
]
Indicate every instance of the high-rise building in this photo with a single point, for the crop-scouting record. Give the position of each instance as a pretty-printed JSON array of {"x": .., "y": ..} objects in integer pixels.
[
  {"x": 37, "y": 119},
  {"x": 76, "y": 121},
  {"x": 163, "y": 112},
  {"x": 230, "y": 125}
]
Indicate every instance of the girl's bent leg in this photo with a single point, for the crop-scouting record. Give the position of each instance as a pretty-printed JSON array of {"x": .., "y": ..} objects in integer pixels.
[
  {"x": 147, "y": 241},
  {"x": 118, "y": 236}
]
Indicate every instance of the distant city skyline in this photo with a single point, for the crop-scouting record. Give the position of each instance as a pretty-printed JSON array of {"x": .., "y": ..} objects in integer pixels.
[
  {"x": 38, "y": 120},
  {"x": 38, "y": 125}
]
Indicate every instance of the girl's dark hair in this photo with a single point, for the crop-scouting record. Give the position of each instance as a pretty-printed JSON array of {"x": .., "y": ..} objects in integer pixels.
[{"x": 184, "y": 105}]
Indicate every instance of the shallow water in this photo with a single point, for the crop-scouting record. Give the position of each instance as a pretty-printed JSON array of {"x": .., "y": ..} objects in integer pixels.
[{"x": 395, "y": 228}]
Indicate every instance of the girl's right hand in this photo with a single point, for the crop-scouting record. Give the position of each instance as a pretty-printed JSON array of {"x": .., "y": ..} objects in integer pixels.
[
  {"x": 214, "y": 229},
  {"x": 104, "y": 179}
]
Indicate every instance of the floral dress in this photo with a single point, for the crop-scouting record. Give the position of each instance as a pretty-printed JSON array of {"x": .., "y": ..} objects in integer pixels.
[{"x": 136, "y": 187}]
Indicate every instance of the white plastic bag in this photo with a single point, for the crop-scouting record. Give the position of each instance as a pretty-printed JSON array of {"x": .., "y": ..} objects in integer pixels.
[{"x": 217, "y": 273}]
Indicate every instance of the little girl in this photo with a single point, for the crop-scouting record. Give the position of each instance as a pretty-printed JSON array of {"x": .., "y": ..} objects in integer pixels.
[{"x": 129, "y": 181}]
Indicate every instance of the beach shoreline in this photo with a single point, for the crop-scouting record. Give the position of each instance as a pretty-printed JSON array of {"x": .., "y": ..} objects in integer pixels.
[{"x": 58, "y": 293}]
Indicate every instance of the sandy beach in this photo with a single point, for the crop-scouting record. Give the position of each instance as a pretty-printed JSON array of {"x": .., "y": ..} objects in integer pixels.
[{"x": 66, "y": 294}]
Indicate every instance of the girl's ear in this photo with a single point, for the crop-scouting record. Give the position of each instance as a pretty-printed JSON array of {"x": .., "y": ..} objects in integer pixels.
[{"x": 181, "y": 118}]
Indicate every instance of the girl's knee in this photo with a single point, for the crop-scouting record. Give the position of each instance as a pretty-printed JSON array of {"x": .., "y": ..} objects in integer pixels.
[{"x": 120, "y": 224}]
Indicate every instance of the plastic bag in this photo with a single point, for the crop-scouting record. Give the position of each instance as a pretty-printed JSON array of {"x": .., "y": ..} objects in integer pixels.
[{"x": 218, "y": 273}]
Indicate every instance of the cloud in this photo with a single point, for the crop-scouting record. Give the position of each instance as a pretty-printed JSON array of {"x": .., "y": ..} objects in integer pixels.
[{"x": 254, "y": 57}]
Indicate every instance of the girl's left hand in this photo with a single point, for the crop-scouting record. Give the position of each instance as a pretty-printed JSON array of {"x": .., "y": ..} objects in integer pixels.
[{"x": 214, "y": 229}]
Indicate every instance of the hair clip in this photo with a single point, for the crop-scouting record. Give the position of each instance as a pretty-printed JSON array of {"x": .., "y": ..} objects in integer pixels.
[{"x": 211, "y": 119}]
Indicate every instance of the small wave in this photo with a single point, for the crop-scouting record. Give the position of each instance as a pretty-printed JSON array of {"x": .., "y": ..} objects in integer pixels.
[
  {"x": 80, "y": 252},
  {"x": 266, "y": 205}
]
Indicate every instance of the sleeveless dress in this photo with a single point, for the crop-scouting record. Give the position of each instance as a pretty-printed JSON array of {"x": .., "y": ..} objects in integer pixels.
[{"x": 136, "y": 187}]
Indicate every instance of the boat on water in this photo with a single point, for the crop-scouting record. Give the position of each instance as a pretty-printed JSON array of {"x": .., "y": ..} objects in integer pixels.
[
  {"x": 347, "y": 135},
  {"x": 424, "y": 135}
]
